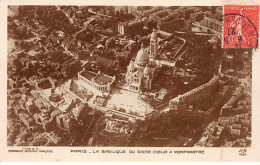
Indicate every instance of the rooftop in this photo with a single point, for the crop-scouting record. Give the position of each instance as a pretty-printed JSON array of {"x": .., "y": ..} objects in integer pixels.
[
  {"x": 88, "y": 75},
  {"x": 99, "y": 78},
  {"x": 44, "y": 84},
  {"x": 103, "y": 79},
  {"x": 100, "y": 100},
  {"x": 162, "y": 92}
]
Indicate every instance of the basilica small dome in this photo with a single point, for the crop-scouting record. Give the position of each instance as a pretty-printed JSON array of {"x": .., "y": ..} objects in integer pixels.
[
  {"x": 147, "y": 70},
  {"x": 153, "y": 63},
  {"x": 131, "y": 66}
]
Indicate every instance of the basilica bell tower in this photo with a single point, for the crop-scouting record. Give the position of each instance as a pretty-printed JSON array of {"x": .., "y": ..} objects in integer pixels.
[{"x": 153, "y": 44}]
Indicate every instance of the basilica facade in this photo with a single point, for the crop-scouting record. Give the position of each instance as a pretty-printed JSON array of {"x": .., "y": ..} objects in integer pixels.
[{"x": 140, "y": 72}]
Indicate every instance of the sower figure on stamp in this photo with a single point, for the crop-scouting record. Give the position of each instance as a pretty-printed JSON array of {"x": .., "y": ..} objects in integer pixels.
[{"x": 238, "y": 23}]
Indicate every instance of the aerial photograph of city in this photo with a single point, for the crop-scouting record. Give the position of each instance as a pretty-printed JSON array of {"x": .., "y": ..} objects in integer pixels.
[{"x": 125, "y": 76}]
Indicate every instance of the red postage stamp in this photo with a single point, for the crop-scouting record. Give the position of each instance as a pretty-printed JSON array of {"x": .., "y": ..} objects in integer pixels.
[{"x": 240, "y": 26}]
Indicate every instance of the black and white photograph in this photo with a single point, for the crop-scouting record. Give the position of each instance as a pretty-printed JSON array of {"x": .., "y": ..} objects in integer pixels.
[{"x": 125, "y": 76}]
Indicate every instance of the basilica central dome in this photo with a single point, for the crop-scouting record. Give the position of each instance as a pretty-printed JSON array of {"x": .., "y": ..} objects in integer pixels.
[{"x": 142, "y": 57}]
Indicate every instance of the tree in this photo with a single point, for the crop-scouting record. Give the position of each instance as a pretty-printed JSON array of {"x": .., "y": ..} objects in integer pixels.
[{"x": 180, "y": 63}]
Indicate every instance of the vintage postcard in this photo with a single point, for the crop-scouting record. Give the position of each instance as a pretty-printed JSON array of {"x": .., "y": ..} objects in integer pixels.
[{"x": 130, "y": 81}]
